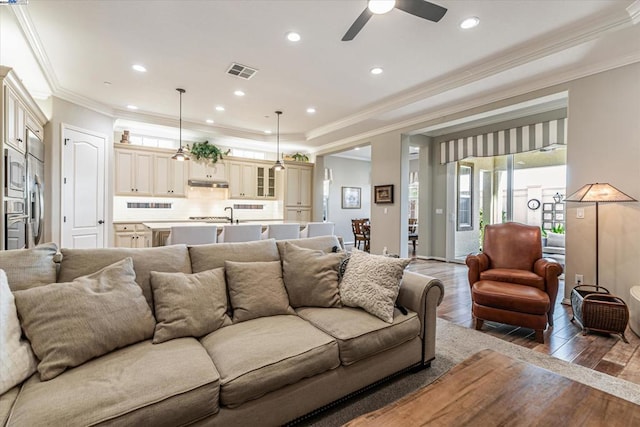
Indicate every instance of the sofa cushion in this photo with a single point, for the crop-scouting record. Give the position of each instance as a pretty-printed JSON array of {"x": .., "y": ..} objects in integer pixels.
[
  {"x": 16, "y": 357},
  {"x": 372, "y": 282},
  {"x": 262, "y": 355},
  {"x": 70, "y": 323},
  {"x": 80, "y": 262},
  {"x": 358, "y": 333},
  {"x": 207, "y": 257},
  {"x": 555, "y": 239},
  {"x": 509, "y": 275},
  {"x": 322, "y": 243},
  {"x": 139, "y": 385},
  {"x": 6, "y": 404},
  {"x": 311, "y": 276},
  {"x": 189, "y": 305},
  {"x": 27, "y": 268},
  {"x": 256, "y": 289}
]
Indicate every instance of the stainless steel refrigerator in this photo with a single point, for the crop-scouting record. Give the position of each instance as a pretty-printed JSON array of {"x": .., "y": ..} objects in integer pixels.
[{"x": 35, "y": 190}]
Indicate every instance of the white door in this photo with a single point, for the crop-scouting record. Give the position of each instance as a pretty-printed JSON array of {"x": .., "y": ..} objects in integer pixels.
[{"x": 83, "y": 190}]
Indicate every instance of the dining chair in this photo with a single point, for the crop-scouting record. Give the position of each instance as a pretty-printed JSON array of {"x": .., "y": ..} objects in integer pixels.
[
  {"x": 282, "y": 231},
  {"x": 314, "y": 229},
  {"x": 360, "y": 228},
  {"x": 240, "y": 233},
  {"x": 193, "y": 234},
  {"x": 413, "y": 232}
]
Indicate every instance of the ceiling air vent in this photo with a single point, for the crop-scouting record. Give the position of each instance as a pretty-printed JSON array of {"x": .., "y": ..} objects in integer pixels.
[{"x": 241, "y": 71}]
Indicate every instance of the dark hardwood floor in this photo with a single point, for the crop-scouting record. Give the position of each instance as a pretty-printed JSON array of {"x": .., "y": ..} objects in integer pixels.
[{"x": 602, "y": 352}]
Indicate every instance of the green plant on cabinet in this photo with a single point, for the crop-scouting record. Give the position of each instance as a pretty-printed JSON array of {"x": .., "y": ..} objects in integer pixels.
[{"x": 206, "y": 151}]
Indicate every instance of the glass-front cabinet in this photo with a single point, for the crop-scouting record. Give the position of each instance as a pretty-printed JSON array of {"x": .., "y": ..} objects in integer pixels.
[{"x": 266, "y": 182}]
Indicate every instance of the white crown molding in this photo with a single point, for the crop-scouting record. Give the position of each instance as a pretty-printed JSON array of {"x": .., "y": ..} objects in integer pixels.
[
  {"x": 564, "y": 39},
  {"x": 634, "y": 12},
  {"x": 26, "y": 24},
  {"x": 521, "y": 89},
  {"x": 16, "y": 84}
]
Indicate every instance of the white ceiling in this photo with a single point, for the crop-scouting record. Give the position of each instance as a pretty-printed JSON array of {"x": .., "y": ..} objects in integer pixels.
[{"x": 429, "y": 68}]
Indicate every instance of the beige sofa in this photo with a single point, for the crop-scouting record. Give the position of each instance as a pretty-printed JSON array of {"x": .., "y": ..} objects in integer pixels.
[{"x": 265, "y": 371}]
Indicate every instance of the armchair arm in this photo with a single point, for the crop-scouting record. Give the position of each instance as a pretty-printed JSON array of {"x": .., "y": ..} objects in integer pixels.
[
  {"x": 422, "y": 294},
  {"x": 550, "y": 270},
  {"x": 477, "y": 263}
]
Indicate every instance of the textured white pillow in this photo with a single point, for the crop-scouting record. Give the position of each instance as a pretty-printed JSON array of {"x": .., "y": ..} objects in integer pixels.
[
  {"x": 16, "y": 357},
  {"x": 372, "y": 282}
]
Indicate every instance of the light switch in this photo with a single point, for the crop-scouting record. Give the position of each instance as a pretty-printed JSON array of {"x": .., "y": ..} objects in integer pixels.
[
  {"x": 438, "y": 211},
  {"x": 580, "y": 213},
  {"x": 385, "y": 210}
]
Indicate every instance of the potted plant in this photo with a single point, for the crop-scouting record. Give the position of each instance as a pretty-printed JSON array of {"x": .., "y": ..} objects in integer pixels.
[
  {"x": 300, "y": 157},
  {"x": 206, "y": 151}
]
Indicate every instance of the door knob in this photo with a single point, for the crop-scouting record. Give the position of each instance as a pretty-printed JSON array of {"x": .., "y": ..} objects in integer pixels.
[{"x": 101, "y": 222}]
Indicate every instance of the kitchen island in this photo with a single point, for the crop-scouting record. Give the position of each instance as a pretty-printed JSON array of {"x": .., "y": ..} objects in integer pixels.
[{"x": 160, "y": 230}]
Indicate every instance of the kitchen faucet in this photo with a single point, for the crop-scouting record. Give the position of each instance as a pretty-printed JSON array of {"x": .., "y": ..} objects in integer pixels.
[{"x": 229, "y": 207}]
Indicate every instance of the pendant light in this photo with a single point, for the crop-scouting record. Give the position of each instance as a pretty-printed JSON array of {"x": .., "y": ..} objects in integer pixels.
[
  {"x": 278, "y": 166},
  {"x": 180, "y": 156}
]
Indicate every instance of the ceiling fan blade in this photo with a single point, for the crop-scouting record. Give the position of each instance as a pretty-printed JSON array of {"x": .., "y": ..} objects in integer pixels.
[
  {"x": 357, "y": 25},
  {"x": 422, "y": 9}
]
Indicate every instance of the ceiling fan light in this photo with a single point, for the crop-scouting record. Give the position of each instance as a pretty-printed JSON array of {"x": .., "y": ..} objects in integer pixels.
[{"x": 381, "y": 6}]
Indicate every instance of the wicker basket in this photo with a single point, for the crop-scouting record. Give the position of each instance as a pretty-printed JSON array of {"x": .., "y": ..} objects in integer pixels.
[{"x": 596, "y": 309}]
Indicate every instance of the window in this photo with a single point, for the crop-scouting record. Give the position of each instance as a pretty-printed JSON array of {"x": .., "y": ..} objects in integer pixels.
[{"x": 465, "y": 197}]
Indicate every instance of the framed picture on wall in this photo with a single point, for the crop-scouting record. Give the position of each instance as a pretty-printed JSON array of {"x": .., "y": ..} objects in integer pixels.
[
  {"x": 383, "y": 193},
  {"x": 351, "y": 197}
]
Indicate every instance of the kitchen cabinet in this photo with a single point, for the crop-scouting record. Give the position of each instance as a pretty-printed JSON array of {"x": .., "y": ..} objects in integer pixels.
[
  {"x": 242, "y": 180},
  {"x": 15, "y": 121},
  {"x": 169, "y": 176},
  {"x": 207, "y": 171},
  {"x": 302, "y": 215},
  {"x": 134, "y": 172},
  {"x": 265, "y": 182},
  {"x": 132, "y": 235},
  {"x": 299, "y": 185}
]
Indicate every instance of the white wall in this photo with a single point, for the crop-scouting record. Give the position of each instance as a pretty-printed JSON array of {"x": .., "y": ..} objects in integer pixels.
[{"x": 348, "y": 173}]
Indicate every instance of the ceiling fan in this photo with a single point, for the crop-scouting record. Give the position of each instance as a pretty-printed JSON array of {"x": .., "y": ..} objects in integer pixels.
[{"x": 420, "y": 8}]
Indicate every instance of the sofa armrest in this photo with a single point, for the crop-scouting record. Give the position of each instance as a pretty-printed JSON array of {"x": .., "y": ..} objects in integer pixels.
[{"x": 422, "y": 294}]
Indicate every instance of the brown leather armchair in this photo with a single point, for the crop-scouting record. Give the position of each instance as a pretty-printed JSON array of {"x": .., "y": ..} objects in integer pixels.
[{"x": 510, "y": 281}]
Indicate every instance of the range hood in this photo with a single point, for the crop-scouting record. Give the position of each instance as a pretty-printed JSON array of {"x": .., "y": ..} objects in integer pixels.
[{"x": 207, "y": 184}]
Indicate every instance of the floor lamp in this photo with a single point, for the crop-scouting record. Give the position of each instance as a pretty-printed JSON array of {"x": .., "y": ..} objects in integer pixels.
[{"x": 599, "y": 193}]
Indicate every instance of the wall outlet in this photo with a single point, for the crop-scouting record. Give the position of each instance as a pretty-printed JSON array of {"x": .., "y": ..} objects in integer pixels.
[
  {"x": 580, "y": 213},
  {"x": 579, "y": 279}
]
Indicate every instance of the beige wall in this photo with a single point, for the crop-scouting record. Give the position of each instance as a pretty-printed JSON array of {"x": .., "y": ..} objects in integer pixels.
[{"x": 604, "y": 146}]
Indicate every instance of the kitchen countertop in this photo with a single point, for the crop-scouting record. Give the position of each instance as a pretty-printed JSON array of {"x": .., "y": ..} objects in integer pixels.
[{"x": 166, "y": 226}]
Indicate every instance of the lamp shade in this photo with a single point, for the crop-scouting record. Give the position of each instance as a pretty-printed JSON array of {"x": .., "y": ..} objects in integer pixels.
[{"x": 599, "y": 193}]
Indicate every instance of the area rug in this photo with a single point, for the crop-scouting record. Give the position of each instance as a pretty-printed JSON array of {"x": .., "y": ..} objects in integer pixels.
[{"x": 453, "y": 345}]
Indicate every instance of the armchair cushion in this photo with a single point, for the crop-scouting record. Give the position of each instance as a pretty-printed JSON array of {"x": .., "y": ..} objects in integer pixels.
[
  {"x": 512, "y": 297},
  {"x": 520, "y": 277}
]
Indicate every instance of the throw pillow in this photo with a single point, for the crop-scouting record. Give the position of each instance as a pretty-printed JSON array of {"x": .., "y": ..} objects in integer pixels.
[
  {"x": 256, "y": 290},
  {"x": 71, "y": 323},
  {"x": 372, "y": 282},
  {"x": 555, "y": 239},
  {"x": 16, "y": 357},
  {"x": 311, "y": 276},
  {"x": 28, "y": 268},
  {"x": 189, "y": 305}
]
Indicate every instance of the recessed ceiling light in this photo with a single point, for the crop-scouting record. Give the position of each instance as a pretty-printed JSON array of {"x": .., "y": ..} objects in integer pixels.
[
  {"x": 268, "y": 132},
  {"x": 210, "y": 121},
  {"x": 292, "y": 36},
  {"x": 470, "y": 22},
  {"x": 381, "y": 6},
  {"x": 219, "y": 108},
  {"x": 376, "y": 70},
  {"x": 238, "y": 93},
  {"x": 132, "y": 107},
  {"x": 357, "y": 148},
  {"x": 311, "y": 110},
  {"x": 107, "y": 83},
  {"x": 139, "y": 68}
]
